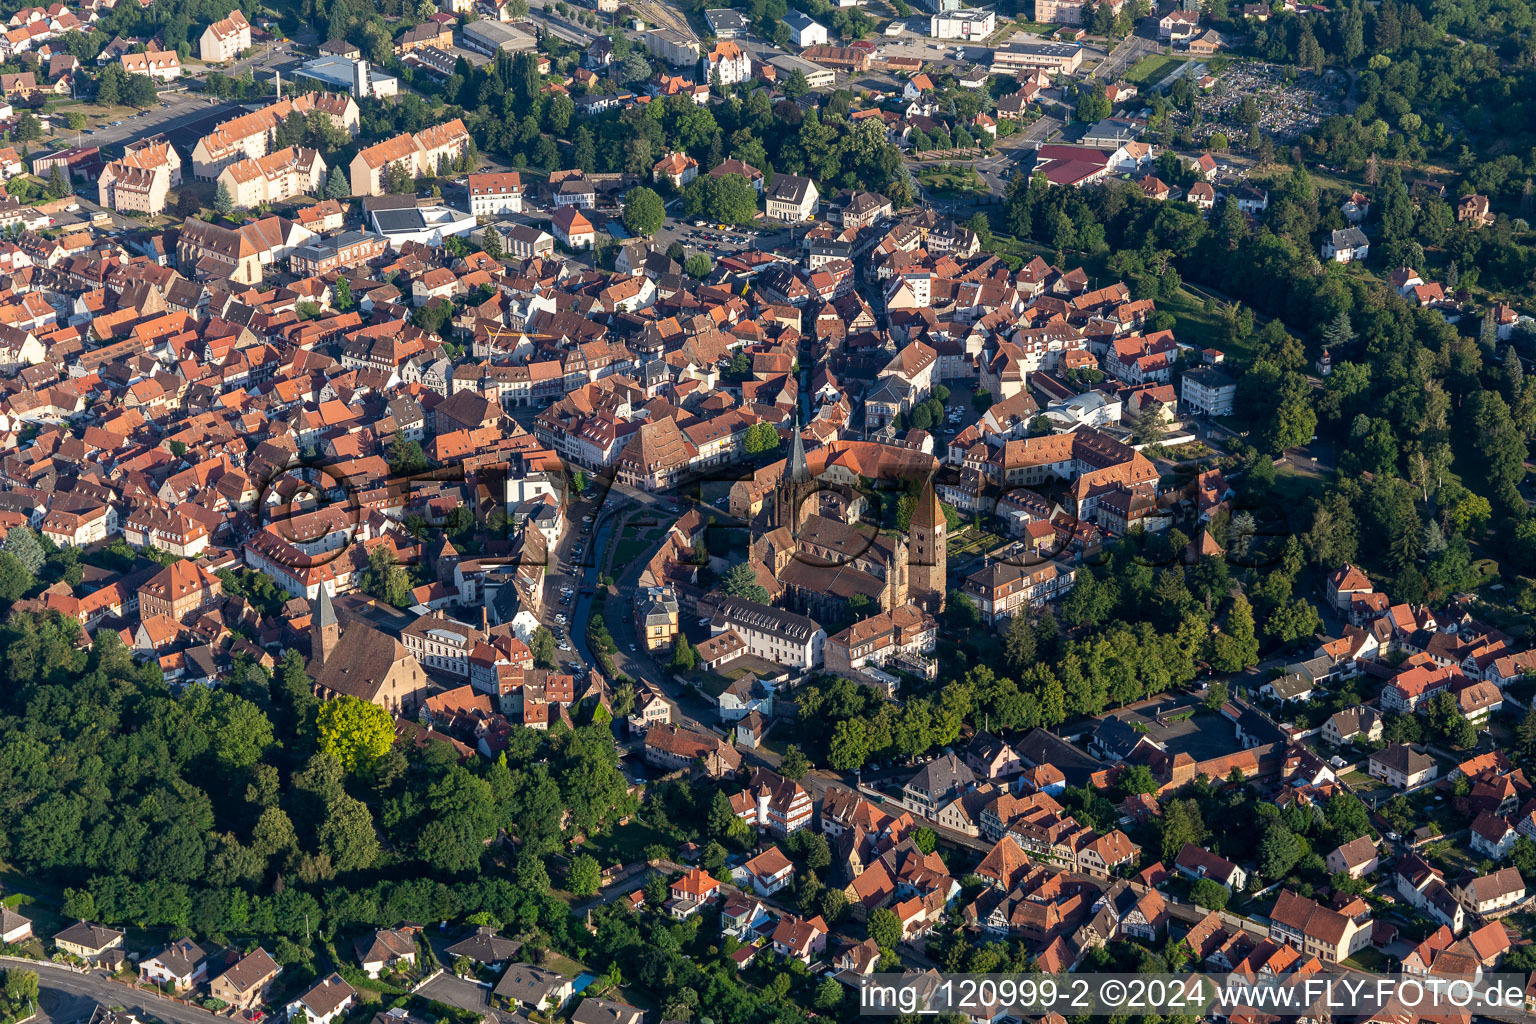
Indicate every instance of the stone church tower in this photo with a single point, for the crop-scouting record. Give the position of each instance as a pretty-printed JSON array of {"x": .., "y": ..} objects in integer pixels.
[
  {"x": 324, "y": 629},
  {"x": 928, "y": 569},
  {"x": 793, "y": 497}
]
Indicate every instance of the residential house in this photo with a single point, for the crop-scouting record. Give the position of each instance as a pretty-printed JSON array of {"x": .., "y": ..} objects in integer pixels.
[
  {"x": 572, "y": 229},
  {"x": 1402, "y": 767},
  {"x": 1491, "y": 896},
  {"x": 88, "y": 941},
  {"x": 792, "y": 198},
  {"x": 326, "y": 1001},
  {"x": 1316, "y": 930},
  {"x": 1474, "y": 210},
  {"x": 245, "y": 985},
  {"x": 225, "y": 39},
  {"x": 1361, "y": 723},
  {"x": 689, "y": 893},
  {"x": 531, "y": 988},
  {"x": 14, "y": 929},
  {"x": 180, "y": 966},
  {"x": 768, "y": 872},
  {"x": 606, "y": 1011},
  {"x": 1356, "y": 858},
  {"x": 1492, "y": 836},
  {"x": 385, "y": 951},
  {"x": 1346, "y": 245},
  {"x": 491, "y": 195},
  {"x": 937, "y": 783},
  {"x": 796, "y": 938},
  {"x": 1195, "y": 862}
]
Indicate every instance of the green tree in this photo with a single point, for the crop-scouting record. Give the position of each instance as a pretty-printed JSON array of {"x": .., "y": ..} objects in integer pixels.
[
  {"x": 58, "y": 185},
  {"x": 405, "y": 456},
  {"x": 79, "y": 904},
  {"x": 336, "y": 184},
  {"x": 109, "y": 87},
  {"x": 386, "y": 579},
  {"x": 541, "y": 643},
  {"x": 884, "y": 927},
  {"x": 1019, "y": 642},
  {"x": 346, "y": 834},
  {"x": 357, "y": 733},
  {"x": 1279, "y": 851},
  {"x": 22, "y": 542},
  {"x": 795, "y": 764},
  {"x": 15, "y": 578},
  {"x": 343, "y": 294},
  {"x": 1236, "y": 647},
  {"x": 644, "y": 212},
  {"x": 223, "y": 202},
  {"x": 829, "y": 995},
  {"x": 849, "y": 747},
  {"x": 1209, "y": 894},
  {"x": 584, "y": 876},
  {"x": 684, "y": 657},
  {"x": 741, "y": 581},
  {"x": 28, "y": 128}
]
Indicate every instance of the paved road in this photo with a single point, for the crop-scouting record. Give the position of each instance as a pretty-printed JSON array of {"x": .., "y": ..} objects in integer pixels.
[{"x": 65, "y": 997}]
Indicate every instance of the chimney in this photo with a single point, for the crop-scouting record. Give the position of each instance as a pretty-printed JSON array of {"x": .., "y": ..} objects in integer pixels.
[
  {"x": 362, "y": 85},
  {"x": 277, "y": 82}
]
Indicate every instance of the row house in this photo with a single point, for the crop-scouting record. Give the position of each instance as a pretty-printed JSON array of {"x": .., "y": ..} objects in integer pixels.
[
  {"x": 273, "y": 178},
  {"x": 250, "y": 135},
  {"x": 425, "y": 153}
]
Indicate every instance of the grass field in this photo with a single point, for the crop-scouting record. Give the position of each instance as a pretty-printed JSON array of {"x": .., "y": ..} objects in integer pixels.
[
  {"x": 635, "y": 543},
  {"x": 1151, "y": 70},
  {"x": 1194, "y": 325},
  {"x": 952, "y": 180},
  {"x": 625, "y": 844}
]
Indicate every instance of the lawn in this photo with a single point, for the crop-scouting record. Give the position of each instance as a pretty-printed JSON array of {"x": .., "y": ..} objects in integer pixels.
[
  {"x": 1192, "y": 324},
  {"x": 626, "y": 843},
  {"x": 1008, "y": 28},
  {"x": 1153, "y": 69},
  {"x": 1293, "y": 486},
  {"x": 634, "y": 544},
  {"x": 952, "y": 180},
  {"x": 1368, "y": 959}
]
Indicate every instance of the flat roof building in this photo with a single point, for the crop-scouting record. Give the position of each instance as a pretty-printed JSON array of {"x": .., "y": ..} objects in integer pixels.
[
  {"x": 816, "y": 76},
  {"x": 727, "y": 23},
  {"x": 341, "y": 73},
  {"x": 489, "y": 37}
]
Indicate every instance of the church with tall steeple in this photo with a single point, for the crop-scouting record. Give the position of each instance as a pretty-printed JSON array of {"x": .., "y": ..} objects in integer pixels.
[{"x": 820, "y": 555}]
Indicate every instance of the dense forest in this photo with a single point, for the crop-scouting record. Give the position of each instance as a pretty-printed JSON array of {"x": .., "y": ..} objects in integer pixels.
[{"x": 247, "y": 809}]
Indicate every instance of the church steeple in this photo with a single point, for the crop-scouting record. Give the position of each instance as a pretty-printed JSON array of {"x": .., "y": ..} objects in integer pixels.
[
  {"x": 799, "y": 469},
  {"x": 324, "y": 628},
  {"x": 792, "y": 498},
  {"x": 928, "y": 568}
]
